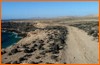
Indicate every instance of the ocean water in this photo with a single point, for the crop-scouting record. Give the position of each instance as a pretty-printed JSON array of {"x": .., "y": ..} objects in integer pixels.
[{"x": 9, "y": 38}]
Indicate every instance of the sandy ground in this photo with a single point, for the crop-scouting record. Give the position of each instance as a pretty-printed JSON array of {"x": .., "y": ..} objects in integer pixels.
[{"x": 81, "y": 48}]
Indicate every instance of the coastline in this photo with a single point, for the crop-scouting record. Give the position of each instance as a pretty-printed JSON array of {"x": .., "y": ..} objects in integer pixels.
[{"x": 11, "y": 39}]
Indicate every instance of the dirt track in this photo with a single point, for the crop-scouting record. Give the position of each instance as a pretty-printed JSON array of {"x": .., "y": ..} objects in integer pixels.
[{"x": 81, "y": 48}]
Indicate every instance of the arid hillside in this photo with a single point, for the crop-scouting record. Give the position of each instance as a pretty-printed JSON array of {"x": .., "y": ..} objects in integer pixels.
[{"x": 71, "y": 40}]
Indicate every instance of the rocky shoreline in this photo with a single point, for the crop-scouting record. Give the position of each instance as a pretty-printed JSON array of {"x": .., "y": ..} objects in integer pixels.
[{"x": 20, "y": 28}]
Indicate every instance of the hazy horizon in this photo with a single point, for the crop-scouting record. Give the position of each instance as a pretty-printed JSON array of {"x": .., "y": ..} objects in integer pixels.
[{"x": 30, "y": 10}]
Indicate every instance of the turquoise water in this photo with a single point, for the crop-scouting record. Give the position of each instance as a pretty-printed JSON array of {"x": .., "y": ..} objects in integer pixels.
[{"x": 9, "y": 38}]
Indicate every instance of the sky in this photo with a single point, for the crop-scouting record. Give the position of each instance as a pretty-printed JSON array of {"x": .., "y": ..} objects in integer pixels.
[{"x": 28, "y": 10}]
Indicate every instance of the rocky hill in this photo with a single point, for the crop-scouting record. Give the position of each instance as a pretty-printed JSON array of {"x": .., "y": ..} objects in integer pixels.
[{"x": 43, "y": 45}]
